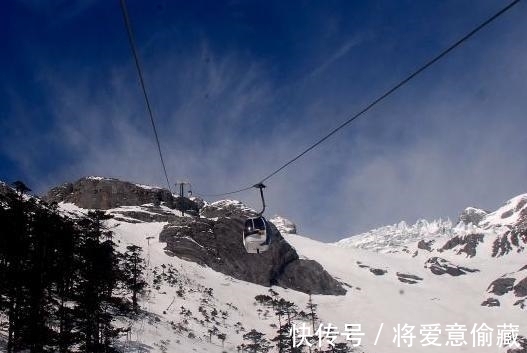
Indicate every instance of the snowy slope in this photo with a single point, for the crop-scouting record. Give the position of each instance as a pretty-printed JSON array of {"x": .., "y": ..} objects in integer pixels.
[{"x": 385, "y": 286}]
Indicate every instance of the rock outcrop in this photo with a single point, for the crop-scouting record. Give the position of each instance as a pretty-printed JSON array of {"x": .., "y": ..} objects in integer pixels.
[
  {"x": 465, "y": 244},
  {"x": 106, "y": 193},
  {"x": 440, "y": 266},
  {"x": 408, "y": 278},
  {"x": 501, "y": 286},
  {"x": 284, "y": 225},
  {"x": 491, "y": 302},
  {"x": 226, "y": 208},
  {"x": 472, "y": 215},
  {"x": 217, "y": 243}
]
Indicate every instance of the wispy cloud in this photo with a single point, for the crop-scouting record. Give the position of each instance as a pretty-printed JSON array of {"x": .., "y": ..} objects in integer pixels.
[
  {"x": 341, "y": 51},
  {"x": 451, "y": 139}
]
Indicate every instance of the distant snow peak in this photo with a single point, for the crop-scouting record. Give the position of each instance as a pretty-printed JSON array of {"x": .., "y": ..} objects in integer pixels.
[
  {"x": 398, "y": 235},
  {"x": 478, "y": 233},
  {"x": 508, "y": 214},
  {"x": 284, "y": 225},
  {"x": 472, "y": 215}
]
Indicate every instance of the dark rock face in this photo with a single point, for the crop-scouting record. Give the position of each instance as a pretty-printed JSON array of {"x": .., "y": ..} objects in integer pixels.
[
  {"x": 502, "y": 245},
  {"x": 309, "y": 276},
  {"x": 425, "y": 245},
  {"x": 491, "y": 302},
  {"x": 440, "y": 266},
  {"x": 520, "y": 289},
  {"x": 198, "y": 201},
  {"x": 408, "y": 278},
  {"x": 378, "y": 271},
  {"x": 105, "y": 193},
  {"x": 146, "y": 216},
  {"x": 218, "y": 245},
  {"x": 375, "y": 271},
  {"x": 472, "y": 215},
  {"x": 469, "y": 241},
  {"x": 522, "y": 303},
  {"x": 501, "y": 286},
  {"x": 507, "y": 214},
  {"x": 522, "y": 342}
]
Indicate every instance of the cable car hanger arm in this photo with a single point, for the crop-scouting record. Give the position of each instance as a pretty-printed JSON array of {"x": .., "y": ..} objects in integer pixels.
[{"x": 261, "y": 186}]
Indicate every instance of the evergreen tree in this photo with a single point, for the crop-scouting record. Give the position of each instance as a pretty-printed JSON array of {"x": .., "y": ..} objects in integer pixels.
[
  {"x": 59, "y": 277},
  {"x": 97, "y": 280},
  {"x": 133, "y": 268},
  {"x": 312, "y": 312},
  {"x": 32, "y": 246},
  {"x": 284, "y": 340},
  {"x": 286, "y": 311},
  {"x": 15, "y": 217},
  {"x": 257, "y": 343},
  {"x": 222, "y": 337}
]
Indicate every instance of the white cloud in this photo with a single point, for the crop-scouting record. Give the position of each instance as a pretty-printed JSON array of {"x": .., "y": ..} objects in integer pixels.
[{"x": 445, "y": 142}]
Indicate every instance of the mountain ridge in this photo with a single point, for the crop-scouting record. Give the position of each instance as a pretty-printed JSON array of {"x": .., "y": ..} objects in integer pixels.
[
  {"x": 381, "y": 286},
  {"x": 209, "y": 234}
]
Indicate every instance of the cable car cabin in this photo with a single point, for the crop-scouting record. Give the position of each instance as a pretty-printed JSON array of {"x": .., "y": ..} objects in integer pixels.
[{"x": 256, "y": 235}]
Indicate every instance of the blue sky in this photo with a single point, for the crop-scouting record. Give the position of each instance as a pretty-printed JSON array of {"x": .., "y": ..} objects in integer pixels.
[{"x": 239, "y": 87}]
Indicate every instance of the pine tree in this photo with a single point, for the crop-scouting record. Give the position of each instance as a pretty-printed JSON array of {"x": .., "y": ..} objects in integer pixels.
[
  {"x": 31, "y": 248},
  {"x": 312, "y": 312},
  {"x": 288, "y": 310},
  {"x": 257, "y": 342},
  {"x": 284, "y": 340},
  {"x": 98, "y": 275},
  {"x": 222, "y": 337},
  {"x": 58, "y": 278},
  {"x": 14, "y": 247},
  {"x": 133, "y": 268}
]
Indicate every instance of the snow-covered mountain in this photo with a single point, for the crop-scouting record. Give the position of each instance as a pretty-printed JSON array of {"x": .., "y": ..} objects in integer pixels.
[
  {"x": 470, "y": 273},
  {"x": 477, "y": 232}
]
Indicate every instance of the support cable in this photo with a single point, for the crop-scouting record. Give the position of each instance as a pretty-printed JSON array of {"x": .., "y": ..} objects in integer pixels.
[
  {"x": 383, "y": 96},
  {"x": 131, "y": 40}
]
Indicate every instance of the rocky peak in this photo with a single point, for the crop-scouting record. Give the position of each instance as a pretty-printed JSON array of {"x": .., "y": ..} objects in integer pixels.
[
  {"x": 217, "y": 243},
  {"x": 215, "y": 240},
  {"x": 472, "y": 215},
  {"x": 106, "y": 193},
  {"x": 284, "y": 225},
  {"x": 227, "y": 208}
]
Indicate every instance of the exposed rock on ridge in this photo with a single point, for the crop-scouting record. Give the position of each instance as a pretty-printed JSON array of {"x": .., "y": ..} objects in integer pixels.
[
  {"x": 218, "y": 245},
  {"x": 213, "y": 239},
  {"x": 284, "y": 225},
  {"x": 472, "y": 215},
  {"x": 106, "y": 193}
]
